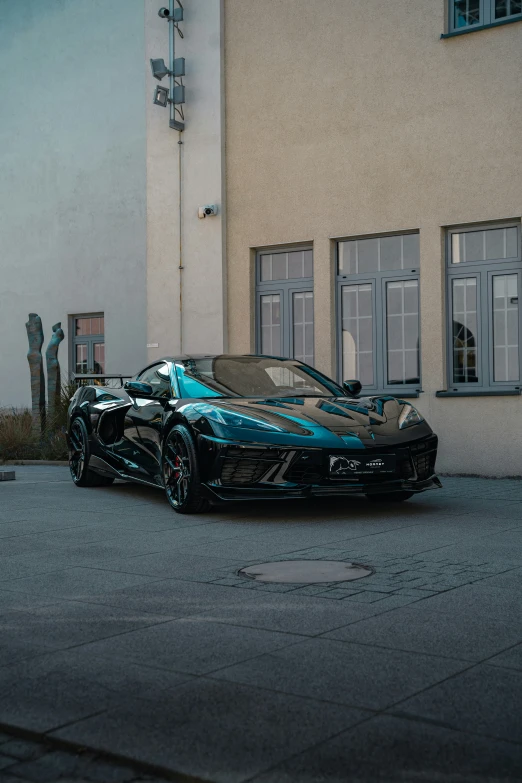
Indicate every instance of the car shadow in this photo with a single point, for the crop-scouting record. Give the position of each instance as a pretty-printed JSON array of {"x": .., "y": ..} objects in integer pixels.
[{"x": 296, "y": 510}]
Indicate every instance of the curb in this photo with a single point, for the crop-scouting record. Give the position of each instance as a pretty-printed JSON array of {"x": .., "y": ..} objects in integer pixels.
[
  {"x": 58, "y": 463},
  {"x": 74, "y": 747}
]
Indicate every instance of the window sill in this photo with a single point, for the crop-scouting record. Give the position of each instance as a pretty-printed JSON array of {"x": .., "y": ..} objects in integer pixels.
[
  {"x": 478, "y": 27},
  {"x": 478, "y": 393},
  {"x": 407, "y": 394}
]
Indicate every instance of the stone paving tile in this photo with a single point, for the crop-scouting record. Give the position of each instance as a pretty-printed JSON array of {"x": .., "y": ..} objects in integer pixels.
[
  {"x": 392, "y": 750},
  {"x": 353, "y": 674},
  {"x": 29, "y": 761},
  {"x": 465, "y": 636},
  {"x": 221, "y": 731},
  {"x": 482, "y": 700}
]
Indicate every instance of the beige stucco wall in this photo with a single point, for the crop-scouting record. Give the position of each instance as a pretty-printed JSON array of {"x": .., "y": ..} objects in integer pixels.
[
  {"x": 200, "y": 326},
  {"x": 349, "y": 117}
]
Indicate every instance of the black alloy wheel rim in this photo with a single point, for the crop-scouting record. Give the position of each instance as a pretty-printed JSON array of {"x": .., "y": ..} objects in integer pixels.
[
  {"x": 176, "y": 470},
  {"x": 76, "y": 451}
]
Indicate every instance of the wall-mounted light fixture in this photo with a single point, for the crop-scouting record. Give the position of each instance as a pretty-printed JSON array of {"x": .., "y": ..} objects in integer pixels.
[
  {"x": 161, "y": 96},
  {"x": 175, "y": 71}
]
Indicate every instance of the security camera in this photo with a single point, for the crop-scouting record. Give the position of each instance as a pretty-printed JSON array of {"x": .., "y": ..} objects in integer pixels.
[
  {"x": 164, "y": 13},
  {"x": 207, "y": 211}
]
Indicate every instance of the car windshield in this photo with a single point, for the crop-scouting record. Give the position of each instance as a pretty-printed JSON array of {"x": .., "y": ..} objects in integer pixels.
[{"x": 253, "y": 376}]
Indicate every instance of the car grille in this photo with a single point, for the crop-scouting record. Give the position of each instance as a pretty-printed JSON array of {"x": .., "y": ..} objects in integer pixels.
[
  {"x": 247, "y": 466},
  {"x": 303, "y": 475},
  {"x": 424, "y": 455}
]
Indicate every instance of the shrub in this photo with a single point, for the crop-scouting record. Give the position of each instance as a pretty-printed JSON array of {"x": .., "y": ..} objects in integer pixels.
[{"x": 18, "y": 439}]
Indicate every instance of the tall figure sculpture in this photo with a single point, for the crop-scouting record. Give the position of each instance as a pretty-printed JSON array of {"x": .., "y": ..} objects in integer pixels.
[
  {"x": 34, "y": 357},
  {"x": 53, "y": 369}
]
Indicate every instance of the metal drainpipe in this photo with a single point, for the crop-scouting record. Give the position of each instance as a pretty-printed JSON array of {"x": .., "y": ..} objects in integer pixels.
[
  {"x": 172, "y": 110},
  {"x": 180, "y": 250}
]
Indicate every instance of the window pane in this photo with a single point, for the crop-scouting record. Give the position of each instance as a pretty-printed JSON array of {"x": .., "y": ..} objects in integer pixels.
[
  {"x": 391, "y": 253},
  {"x": 505, "y": 8},
  {"x": 81, "y": 359},
  {"x": 457, "y": 248},
  {"x": 271, "y": 324},
  {"x": 505, "y": 328},
  {"x": 495, "y": 244},
  {"x": 83, "y": 326},
  {"x": 348, "y": 258},
  {"x": 464, "y": 315},
  {"x": 474, "y": 246},
  {"x": 410, "y": 251},
  {"x": 511, "y": 243},
  {"x": 402, "y": 321},
  {"x": 308, "y": 263},
  {"x": 279, "y": 267},
  {"x": 357, "y": 333},
  {"x": 368, "y": 255},
  {"x": 99, "y": 358},
  {"x": 466, "y": 12},
  {"x": 295, "y": 264},
  {"x": 303, "y": 326},
  {"x": 266, "y": 267}
]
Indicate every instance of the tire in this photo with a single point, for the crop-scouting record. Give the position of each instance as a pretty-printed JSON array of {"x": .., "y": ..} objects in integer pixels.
[
  {"x": 180, "y": 470},
  {"x": 79, "y": 456},
  {"x": 390, "y": 497}
]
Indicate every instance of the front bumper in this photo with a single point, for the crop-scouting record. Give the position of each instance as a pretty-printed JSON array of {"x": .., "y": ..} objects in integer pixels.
[
  {"x": 237, "y": 471},
  {"x": 286, "y": 493}
]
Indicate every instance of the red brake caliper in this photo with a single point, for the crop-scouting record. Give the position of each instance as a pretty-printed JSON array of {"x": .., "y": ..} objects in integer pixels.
[{"x": 177, "y": 464}]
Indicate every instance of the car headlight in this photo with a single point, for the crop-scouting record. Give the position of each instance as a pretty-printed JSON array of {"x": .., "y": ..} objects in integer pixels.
[
  {"x": 233, "y": 419},
  {"x": 409, "y": 416}
]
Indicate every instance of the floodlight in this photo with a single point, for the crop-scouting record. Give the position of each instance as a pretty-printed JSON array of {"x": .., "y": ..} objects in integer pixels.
[
  {"x": 159, "y": 69},
  {"x": 161, "y": 96}
]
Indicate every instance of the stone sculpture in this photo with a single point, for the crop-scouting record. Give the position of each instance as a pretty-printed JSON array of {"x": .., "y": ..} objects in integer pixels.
[
  {"x": 34, "y": 357},
  {"x": 53, "y": 369}
]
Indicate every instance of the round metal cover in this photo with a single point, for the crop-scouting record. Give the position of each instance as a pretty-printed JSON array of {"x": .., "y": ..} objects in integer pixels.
[{"x": 306, "y": 571}]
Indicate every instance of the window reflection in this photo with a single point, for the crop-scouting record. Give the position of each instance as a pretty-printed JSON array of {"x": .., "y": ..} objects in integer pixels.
[{"x": 465, "y": 330}]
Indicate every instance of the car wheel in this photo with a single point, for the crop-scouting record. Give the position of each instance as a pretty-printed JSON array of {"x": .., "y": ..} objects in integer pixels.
[
  {"x": 390, "y": 497},
  {"x": 181, "y": 473},
  {"x": 79, "y": 455}
]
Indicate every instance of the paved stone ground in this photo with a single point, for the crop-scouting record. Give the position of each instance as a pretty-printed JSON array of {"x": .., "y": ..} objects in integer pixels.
[
  {"x": 125, "y": 628},
  {"x": 30, "y": 760}
]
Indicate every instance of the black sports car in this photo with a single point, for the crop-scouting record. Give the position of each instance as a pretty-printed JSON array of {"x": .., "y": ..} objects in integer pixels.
[{"x": 215, "y": 428}]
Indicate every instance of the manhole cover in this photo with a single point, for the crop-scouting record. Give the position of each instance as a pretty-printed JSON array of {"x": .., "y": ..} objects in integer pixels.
[{"x": 306, "y": 571}]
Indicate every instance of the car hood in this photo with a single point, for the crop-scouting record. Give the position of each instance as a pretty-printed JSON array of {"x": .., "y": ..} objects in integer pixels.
[{"x": 362, "y": 417}]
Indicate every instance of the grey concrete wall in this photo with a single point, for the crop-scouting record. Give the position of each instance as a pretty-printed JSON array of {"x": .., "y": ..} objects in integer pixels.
[{"x": 72, "y": 177}]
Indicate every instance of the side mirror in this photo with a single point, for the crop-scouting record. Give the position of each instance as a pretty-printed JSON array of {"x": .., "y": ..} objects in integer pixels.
[
  {"x": 352, "y": 387},
  {"x": 137, "y": 389}
]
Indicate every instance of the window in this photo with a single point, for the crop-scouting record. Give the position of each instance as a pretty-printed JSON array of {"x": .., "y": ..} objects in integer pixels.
[
  {"x": 477, "y": 13},
  {"x": 484, "y": 280},
  {"x": 88, "y": 344},
  {"x": 159, "y": 378},
  {"x": 378, "y": 311},
  {"x": 285, "y": 304}
]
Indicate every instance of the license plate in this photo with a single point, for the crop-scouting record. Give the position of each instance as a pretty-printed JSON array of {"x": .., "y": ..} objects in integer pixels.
[{"x": 361, "y": 466}]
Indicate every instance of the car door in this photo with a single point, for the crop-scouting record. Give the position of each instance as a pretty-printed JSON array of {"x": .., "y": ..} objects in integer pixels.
[{"x": 148, "y": 415}]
